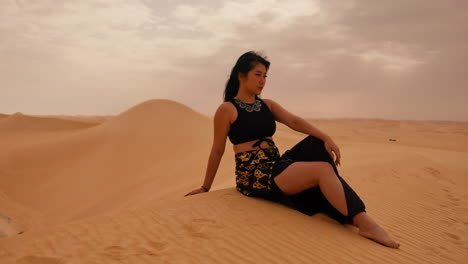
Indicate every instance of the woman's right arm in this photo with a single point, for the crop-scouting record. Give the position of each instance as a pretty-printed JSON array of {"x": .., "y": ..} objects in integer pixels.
[{"x": 221, "y": 125}]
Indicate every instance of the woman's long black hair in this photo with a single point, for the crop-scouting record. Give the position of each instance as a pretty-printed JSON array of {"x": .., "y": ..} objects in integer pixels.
[{"x": 244, "y": 64}]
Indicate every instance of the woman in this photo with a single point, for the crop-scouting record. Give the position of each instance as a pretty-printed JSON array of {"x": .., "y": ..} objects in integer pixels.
[{"x": 304, "y": 177}]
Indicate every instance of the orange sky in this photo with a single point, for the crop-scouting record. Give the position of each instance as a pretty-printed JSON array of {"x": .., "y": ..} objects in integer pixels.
[{"x": 339, "y": 58}]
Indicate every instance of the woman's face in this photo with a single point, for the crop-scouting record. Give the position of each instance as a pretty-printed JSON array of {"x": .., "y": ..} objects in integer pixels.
[{"x": 255, "y": 79}]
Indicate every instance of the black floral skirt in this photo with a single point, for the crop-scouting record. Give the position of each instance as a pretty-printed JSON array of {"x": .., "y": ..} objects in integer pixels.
[{"x": 256, "y": 170}]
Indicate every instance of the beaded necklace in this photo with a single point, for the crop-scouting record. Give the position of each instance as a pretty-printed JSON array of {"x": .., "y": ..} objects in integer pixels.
[{"x": 249, "y": 107}]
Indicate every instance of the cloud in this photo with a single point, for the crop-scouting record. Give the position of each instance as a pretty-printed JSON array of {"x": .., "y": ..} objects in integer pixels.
[{"x": 392, "y": 59}]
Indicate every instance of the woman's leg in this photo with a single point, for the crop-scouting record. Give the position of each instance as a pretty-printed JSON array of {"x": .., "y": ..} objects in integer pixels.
[
  {"x": 313, "y": 149},
  {"x": 301, "y": 176},
  {"x": 311, "y": 169}
]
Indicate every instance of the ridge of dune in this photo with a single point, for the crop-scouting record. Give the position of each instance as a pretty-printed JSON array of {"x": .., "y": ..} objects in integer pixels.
[
  {"x": 167, "y": 117},
  {"x": 97, "y": 119},
  {"x": 160, "y": 107},
  {"x": 19, "y": 130},
  {"x": 19, "y": 122}
]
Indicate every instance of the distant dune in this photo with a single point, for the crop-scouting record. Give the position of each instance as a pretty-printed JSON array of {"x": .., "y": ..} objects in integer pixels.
[
  {"x": 19, "y": 122},
  {"x": 85, "y": 118},
  {"x": 110, "y": 190}
]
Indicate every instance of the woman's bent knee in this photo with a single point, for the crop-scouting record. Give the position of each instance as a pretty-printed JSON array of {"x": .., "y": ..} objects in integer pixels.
[
  {"x": 301, "y": 176},
  {"x": 325, "y": 167}
]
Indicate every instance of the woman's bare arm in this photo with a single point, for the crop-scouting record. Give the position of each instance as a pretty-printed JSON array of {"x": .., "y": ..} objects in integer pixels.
[
  {"x": 301, "y": 125},
  {"x": 221, "y": 125},
  {"x": 295, "y": 122}
]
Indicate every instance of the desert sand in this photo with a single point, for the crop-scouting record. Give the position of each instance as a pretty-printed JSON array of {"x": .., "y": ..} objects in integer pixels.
[{"x": 111, "y": 190}]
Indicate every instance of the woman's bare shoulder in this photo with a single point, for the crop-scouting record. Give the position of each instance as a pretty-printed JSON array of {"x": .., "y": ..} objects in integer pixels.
[
  {"x": 269, "y": 102},
  {"x": 226, "y": 106},
  {"x": 227, "y": 109}
]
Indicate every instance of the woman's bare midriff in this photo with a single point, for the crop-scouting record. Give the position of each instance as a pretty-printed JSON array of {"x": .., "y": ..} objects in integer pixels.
[{"x": 247, "y": 146}]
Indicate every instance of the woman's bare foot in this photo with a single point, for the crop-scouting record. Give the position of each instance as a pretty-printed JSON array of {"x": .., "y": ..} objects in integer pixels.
[
  {"x": 371, "y": 230},
  {"x": 380, "y": 236}
]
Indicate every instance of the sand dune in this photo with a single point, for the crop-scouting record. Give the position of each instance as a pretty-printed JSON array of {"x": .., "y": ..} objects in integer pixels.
[
  {"x": 86, "y": 118},
  {"x": 22, "y": 130},
  {"x": 104, "y": 167},
  {"x": 112, "y": 191},
  {"x": 19, "y": 122}
]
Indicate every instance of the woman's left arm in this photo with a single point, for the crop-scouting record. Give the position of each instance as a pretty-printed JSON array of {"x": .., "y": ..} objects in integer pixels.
[{"x": 301, "y": 125}]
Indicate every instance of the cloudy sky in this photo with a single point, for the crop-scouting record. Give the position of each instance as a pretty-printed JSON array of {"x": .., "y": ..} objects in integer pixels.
[{"x": 393, "y": 59}]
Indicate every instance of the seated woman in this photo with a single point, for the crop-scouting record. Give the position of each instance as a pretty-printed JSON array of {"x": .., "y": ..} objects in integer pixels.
[{"x": 304, "y": 177}]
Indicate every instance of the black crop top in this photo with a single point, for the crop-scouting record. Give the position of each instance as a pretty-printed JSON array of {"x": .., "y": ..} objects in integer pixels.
[{"x": 251, "y": 124}]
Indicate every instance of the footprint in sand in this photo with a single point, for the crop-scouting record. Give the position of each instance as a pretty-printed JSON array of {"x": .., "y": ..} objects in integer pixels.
[
  {"x": 39, "y": 260},
  {"x": 454, "y": 201},
  {"x": 453, "y": 238},
  {"x": 395, "y": 173},
  {"x": 115, "y": 252},
  {"x": 436, "y": 174},
  {"x": 197, "y": 225},
  {"x": 453, "y": 223},
  {"x": 432, "y": 171},
  {"x": 150, "y": 248},
  {"x": 453, "y": 198},
  {"x": 158, "y": 246}
]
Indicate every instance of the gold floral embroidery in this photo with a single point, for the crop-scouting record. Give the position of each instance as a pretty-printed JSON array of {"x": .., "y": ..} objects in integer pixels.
[{"x": 253, "y": 170}]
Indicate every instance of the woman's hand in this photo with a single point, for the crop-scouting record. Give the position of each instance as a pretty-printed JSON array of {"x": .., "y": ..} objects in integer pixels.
[
  {"x": 196, "y": 191},
  {"x": 333, "y": 150}
]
